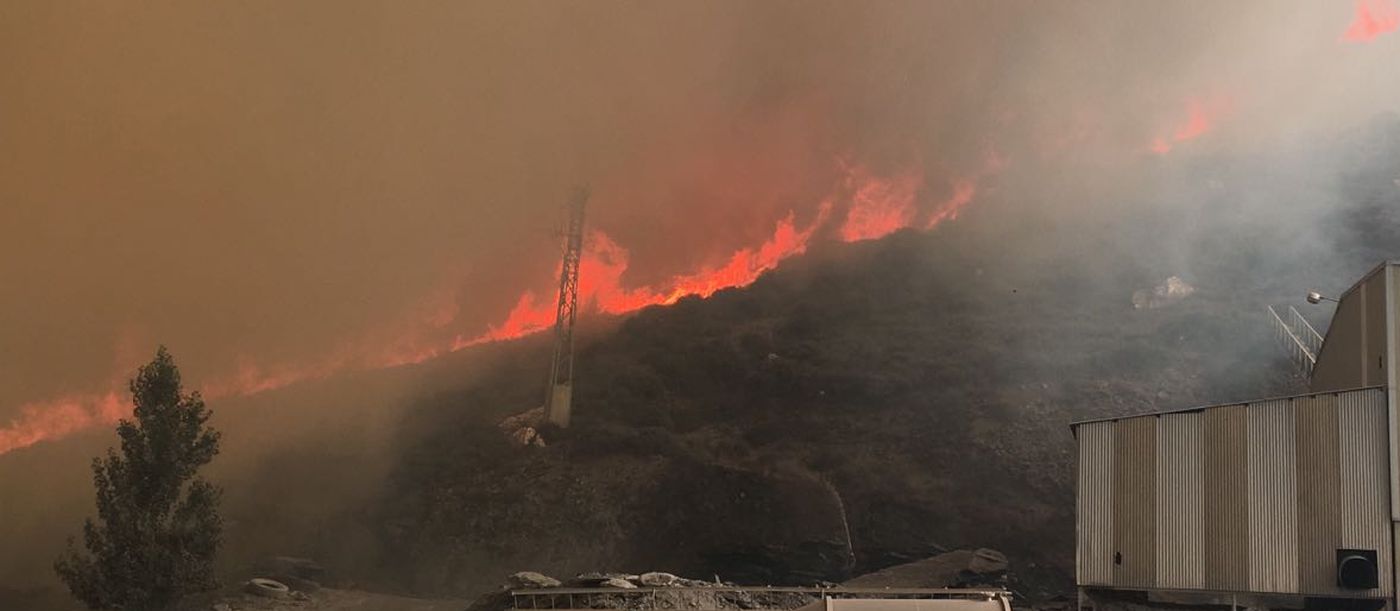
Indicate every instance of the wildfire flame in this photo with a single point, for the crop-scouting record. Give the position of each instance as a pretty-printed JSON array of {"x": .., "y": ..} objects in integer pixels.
[
  {"x": 879, "y": 207},
  {"x": 876, "y": 206},
  {"x": 1372, "y": 18},
  {"x": 60, "y": 417},
  {"x": 1201, "y": 117},
  {"x": 604, "y": 262},
  {"x": 963, "y": 192}
]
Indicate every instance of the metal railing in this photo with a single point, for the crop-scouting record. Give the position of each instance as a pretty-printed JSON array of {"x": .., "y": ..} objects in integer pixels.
[
  {"x": 1298, "y": 337},
  {"x": 1311, "y": 339}
]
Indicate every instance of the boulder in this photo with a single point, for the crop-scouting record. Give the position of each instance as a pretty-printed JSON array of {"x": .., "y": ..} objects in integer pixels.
[
  {"x": 617, "y": 582},
  {"x": 525, "y": 435},
  {"x": 525, "y": 580},
  {"x": 1174, "y": 289},
  {"x": 595, "y": 579},
  {"x": 657, "y": 579}
]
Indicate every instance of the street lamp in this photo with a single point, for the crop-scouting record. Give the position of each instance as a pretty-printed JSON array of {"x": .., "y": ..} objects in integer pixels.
[{"x": 1315, "y": 297}]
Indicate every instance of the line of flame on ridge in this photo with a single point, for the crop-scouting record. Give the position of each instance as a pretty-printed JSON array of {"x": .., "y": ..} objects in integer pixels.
[{"x": 877, "y": 206}]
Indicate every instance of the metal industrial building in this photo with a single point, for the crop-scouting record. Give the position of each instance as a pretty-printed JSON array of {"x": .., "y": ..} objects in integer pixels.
[{"x": 1288, "y": 503}]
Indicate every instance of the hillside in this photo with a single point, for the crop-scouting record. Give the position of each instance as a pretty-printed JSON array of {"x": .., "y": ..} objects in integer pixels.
[
  {"x": 862, "y": 406},
  {"x": 874, "y": 403},
  {"x": 836, "y": 417}
]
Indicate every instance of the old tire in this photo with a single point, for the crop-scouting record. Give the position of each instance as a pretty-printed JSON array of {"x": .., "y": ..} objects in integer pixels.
[{"x": 267, "y": 588}]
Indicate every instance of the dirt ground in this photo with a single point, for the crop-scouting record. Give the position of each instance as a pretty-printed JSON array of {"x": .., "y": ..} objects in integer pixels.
[{"x": 328, "y": 599}]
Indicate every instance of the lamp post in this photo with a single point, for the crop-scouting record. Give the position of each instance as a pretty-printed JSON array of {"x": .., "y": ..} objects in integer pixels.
[{"x": 1315, "y": 297}]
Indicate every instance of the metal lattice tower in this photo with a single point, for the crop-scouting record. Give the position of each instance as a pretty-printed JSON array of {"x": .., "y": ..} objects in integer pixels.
[{"x": 558, "y": 397}]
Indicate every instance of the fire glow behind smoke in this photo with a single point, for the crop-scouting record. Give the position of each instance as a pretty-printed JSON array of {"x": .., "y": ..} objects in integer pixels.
[
  {"x": 309, "y": 187},
  {"x": 877, "y": 206},
  {"x": 1373, "y": 18},
  {"x": 963, "y": 192},
  {"x": 1201, "y": 117},
  {"x": 59, "y": 417}
]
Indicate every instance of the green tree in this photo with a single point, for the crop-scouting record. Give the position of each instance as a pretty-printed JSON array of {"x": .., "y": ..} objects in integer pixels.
[{"x": 158, "y": 526}]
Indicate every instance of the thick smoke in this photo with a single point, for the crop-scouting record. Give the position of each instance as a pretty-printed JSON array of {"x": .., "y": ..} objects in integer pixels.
[
  {"x": 280, "y": 192},
  {"x": 283, "y": 191}
]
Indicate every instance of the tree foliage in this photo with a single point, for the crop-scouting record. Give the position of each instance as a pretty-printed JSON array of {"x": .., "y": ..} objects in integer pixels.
[{"x": 157, "y": 527}]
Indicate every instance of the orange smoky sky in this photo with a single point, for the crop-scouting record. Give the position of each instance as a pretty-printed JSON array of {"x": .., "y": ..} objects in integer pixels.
[{"x": 279, "y": 190}]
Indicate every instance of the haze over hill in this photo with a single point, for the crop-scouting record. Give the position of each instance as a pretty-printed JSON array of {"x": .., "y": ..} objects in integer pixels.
[
  {"x": 281, "y": 193},
  {"x": 873, "y": 403},
  {"x": 865, "y": 404},
  {"x": 931, "y": 219}
]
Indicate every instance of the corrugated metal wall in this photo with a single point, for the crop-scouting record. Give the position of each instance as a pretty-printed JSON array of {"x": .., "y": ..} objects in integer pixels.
[
  {"x": 1180, "y": 506},
  {"x": 1319, "y": 474},
  {"x": 1392, "y": 321},
  {"x": 1135, "y": 502},
  {"x": 1273, "y": 500},
  {"x": 1373, "y": 359},
  {"x": 1355, "y": 349},
  {"x": 1250, "y": 498},
  {"x": 1226, "y": 515},
  {"x": 1095, "y": 503},
  {"x": 1339, "y": 362},
  {"x": 1364, "y": 476}
]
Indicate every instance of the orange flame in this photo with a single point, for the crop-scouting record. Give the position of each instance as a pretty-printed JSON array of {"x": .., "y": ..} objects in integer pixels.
[
  {"x": 877, "y": 207},
  {"x": 604, "y": 262},
  {"x": 1372, "y": 18},
  {"x": 42, "y": 421}
]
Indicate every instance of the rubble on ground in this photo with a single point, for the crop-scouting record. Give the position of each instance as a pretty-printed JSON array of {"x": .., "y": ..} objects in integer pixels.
[
  {"x": 980, "y": 568},
  {"x": 523, "y": 428},
  {"x": 652, "y": 589},
  {"x": 530, "y": 579},
  {"x": 656, "y": 579},
  {"x": 1174, "y": 289}
]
